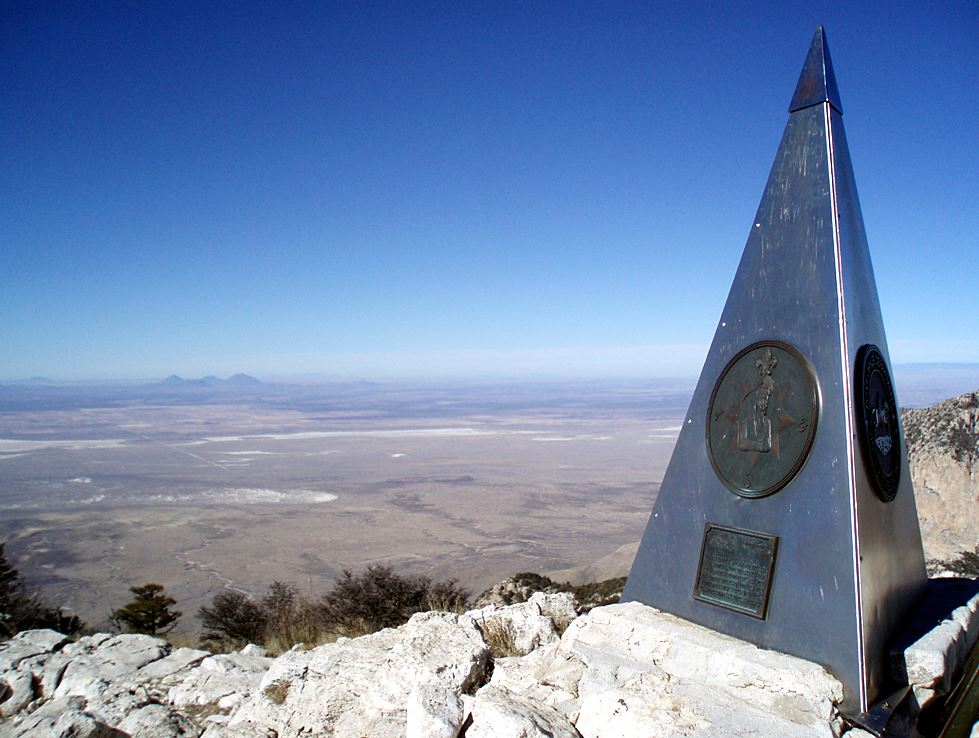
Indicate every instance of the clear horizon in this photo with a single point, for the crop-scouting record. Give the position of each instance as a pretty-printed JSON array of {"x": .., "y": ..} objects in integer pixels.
[
  {"x": 958, "y": 371},
  {"x": 426, "y": 191}
]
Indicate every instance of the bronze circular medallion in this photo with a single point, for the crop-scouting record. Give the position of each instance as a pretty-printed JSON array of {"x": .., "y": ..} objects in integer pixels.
[
  {"x": 762, "y": 417},
  {"x": 877, "y": 421}
]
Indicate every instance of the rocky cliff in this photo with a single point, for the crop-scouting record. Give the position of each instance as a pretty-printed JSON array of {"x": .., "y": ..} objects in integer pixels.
[
  {"x": 499, "y": 671},
  {"x": 943, "y": 448}
]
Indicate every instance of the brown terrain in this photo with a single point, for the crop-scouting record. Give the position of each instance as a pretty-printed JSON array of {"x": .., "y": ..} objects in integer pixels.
[
  {"x": 242, "y": 491},
  {"x": 202, "y": 490}
]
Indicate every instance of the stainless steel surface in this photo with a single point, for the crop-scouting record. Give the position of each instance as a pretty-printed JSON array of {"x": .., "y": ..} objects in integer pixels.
[
  {"x": 849, "y": 565},
  {"x": 875, "y": 720},
  {"x": 817, "y": 83}
]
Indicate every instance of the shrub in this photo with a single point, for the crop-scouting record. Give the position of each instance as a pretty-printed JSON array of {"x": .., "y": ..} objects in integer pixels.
[
  {"x": 13, "y": 601},
  {"x": 278, "y": 620},
  {"x": 21, "y": 610},
  {"x": 358, "y": 603},
  {"x": 149, "y": 611},
  {"x": 447, "y": 596},
  {"x": 292, "y": 618},
  {"x": 965, "y": 564},
  {"x": 378, "y": 598},
  {"x": 233, "y": 620}
]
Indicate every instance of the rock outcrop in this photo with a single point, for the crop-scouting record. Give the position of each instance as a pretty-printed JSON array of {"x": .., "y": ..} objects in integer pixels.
[
  {"x": 500, "y": 671},
  {"x": 943, "y": 449}
]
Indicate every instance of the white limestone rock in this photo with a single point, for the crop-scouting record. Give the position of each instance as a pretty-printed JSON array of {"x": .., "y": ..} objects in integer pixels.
[
  {"x": 27, "y": 644},
  {"x": 560, "y": 607},
  {"x": 497, "y": 713},
  {"x": 48, "y": 671},
  {"x": 622, "y": 670},
  {"x": 19, "y": 693},
  {"x": 361, "y": 686},
  {"x": 114, "y": 702},
  {"x": 634, "y": 711},
  {"x": 222, "y": 680},
  {"x": 158, "y": 721},
  {"x": 628, "y": 638},
  {"x": 522, "y": 624},
  {"x": 433, "y": 712},
  {"x": 58, "y": 719},
  {"x": 521, "y": 675},
  {"x": 86, "y": 644},
  {"x": 629, "y": 670},
  {"x": 177, "y": 661},
  {"x": 933, "y": 660},
  {"x": 110, "y": 660}
]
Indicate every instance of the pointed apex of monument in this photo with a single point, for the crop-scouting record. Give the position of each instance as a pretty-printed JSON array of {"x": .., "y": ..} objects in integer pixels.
[{"x": 817, "y": 83}]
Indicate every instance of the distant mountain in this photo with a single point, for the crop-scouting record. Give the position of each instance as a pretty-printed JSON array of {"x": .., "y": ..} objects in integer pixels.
[
  {"x": 35, "y": 381},
  {"x": 242, "y": 380},
  {"x": 235, "y": 381}
]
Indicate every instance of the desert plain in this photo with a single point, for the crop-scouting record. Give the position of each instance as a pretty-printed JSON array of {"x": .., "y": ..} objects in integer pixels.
[
  {"x": 206, "y": 485},
  {"x": 201, "y": 489}
]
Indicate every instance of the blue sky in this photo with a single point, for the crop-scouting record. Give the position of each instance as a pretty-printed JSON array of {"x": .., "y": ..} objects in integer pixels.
[{"x": 384, "y": 190}]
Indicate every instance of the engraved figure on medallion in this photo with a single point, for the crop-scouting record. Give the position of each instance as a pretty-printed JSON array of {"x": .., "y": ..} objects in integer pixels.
[
  {"x": 754, "y": 425},
  {"x": 760, "y": 425},
  {"x": 878, "y": 421},
  {"x": 882, "y": 424}
]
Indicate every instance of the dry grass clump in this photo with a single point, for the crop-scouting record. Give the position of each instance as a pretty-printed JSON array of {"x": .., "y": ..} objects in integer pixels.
[
  {"x": 560, "y": 620},
  {"x": 499, "y": 637},
  {"x": 276, "y": 692}
]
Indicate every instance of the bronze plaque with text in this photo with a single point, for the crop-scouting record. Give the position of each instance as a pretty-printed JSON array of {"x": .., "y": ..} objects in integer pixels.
[{"x": 736, "y": 568}]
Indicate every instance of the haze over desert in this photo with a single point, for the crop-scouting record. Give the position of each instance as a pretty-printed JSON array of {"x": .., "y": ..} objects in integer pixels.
[{"x": 203, "y": 487}]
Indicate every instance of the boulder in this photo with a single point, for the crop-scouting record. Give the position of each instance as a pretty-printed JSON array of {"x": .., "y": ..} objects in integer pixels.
[
  {"x": 497, "y": 713},
  {"x": 109, "y": 660},
  {"x": 27, "y": 644},
  {"x": 177, "y": 661},
  {"x": 222, "y": 681},
  {"x": 514, "y": 630},
  {"x": 19, "y": 693},
  {"x": 621, "y": 670},
  {"x": 522, "y": 675},
  {"x": 57, "y": 719},
  {"x": 361, "y": 686},
  {"x": 560, "y": 607},
  {"x": 939, "y": 639},
  {"x": 433, "y": 712},
  {"x": 621, "y": 640},
  {"x": 253, "y": 650},
  {"x": 158, "y": 721}
]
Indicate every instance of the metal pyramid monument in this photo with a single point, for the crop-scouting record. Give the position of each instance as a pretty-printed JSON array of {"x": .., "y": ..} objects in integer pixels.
[{"x": 786, "y": 516}]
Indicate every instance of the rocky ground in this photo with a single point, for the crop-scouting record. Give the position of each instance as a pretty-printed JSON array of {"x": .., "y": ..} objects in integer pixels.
[
  {"x": 943, "y": 448},
  {"x": 526, "y": 670}
]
